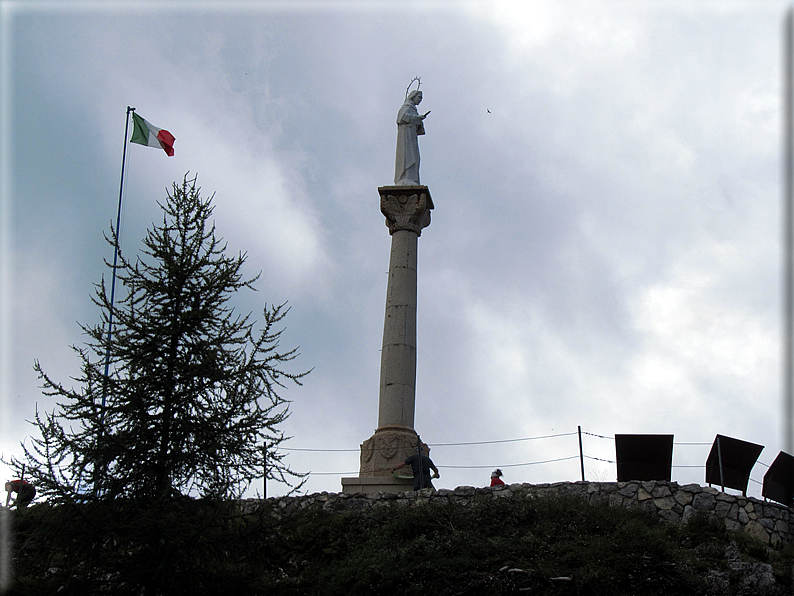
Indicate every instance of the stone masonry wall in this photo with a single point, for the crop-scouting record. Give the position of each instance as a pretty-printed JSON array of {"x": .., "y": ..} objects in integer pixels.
[{"x": 767, "y": 521}]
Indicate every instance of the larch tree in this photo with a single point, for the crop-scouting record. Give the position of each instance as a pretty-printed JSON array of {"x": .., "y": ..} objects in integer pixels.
[{"x": 191, "y": 404}]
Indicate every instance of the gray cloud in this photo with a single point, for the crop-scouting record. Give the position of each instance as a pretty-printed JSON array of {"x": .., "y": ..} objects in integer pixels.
[{"x": 604, "y": 250}]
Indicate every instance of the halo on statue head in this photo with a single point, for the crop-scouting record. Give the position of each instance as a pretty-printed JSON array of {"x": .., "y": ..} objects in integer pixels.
[{"x": 418, "y": 81}]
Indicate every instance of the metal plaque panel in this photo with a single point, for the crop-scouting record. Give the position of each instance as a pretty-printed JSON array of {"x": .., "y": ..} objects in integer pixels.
[
  {"x": 779, "y": 480},
  {"x": 735, "y": 459},
  {"x": 644, "y": 457}
]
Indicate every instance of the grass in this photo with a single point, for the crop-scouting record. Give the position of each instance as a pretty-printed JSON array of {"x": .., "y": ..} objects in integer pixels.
[{"x": 494, "y": 546}]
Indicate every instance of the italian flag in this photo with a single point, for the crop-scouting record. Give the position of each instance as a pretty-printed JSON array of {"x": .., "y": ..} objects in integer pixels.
[{"x": 144, "y": 133}]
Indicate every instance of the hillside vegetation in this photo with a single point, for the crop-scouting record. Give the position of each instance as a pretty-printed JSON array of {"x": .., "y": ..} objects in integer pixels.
[{"x": 499, "y": 546}]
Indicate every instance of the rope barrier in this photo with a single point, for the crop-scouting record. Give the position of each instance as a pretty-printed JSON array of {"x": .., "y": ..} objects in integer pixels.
[
  {"x": 333, "y": 473},
  {"x": 609, "y": 461},
  {"x": 532, "y": 463},
  {"x": 613, "y": 438},
  {"x": 441, "y": 444},
  {"x": 500, "y": 441},
  {"x": 319, "y": 450},
  {"x": 599, "y": 436}
]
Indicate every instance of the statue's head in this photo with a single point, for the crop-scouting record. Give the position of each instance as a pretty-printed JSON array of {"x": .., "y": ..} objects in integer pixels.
[{"x": 415, "y": 96}]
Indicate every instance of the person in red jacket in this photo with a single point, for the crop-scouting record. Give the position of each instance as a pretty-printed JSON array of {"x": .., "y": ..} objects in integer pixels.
[
  {"x": 496, "y": 478},
  {"x": 25, "y": 492}
]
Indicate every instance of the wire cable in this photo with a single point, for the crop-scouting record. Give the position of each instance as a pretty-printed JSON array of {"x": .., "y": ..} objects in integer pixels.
[
  {"x": 609, "y": 461},
  {"x": 501, "y": 440},
  {"x": 440, "y": 444},
  {"x": 318, "y": 450},
  {"x": 584, "y": 432},
  {"x": 532, "y": 463},
  {"x": 332, "y": 473}
]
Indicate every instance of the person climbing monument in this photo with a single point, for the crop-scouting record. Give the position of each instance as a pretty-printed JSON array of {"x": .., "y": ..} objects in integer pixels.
[{"x": 420, "y": 466}]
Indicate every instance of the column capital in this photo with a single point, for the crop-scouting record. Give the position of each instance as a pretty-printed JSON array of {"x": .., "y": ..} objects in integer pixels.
[{"x": 406, "y": 207}]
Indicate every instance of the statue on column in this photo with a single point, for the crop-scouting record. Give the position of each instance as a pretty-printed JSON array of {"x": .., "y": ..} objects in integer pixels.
[
  {"x": 410, "y": 124},
  {"x": 406, "y": 206}
]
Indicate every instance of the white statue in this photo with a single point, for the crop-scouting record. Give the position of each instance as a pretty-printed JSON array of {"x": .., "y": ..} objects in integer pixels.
[{"x": 409, "y": 125}]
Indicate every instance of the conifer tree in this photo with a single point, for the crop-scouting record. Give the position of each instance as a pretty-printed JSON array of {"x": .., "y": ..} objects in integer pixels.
[{"x": 191, "y": 404}]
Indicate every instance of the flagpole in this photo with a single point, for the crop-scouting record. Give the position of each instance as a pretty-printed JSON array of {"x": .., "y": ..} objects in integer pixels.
[
  {"x": 116, "y": 235},
  {"x": 788, "y": 240},
  {"x": 115, "y": 261}
]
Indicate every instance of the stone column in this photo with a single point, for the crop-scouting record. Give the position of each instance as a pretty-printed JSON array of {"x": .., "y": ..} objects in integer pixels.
[{"x": 407, "y": 210}]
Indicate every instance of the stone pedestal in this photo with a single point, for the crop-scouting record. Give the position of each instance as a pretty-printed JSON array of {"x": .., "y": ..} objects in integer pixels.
[{"x": 407, "y": 210}]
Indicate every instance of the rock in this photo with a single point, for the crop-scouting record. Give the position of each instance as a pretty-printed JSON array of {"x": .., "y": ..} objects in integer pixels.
[
  {"x": 664, "y": 503},
  {"x": 703, "y": 502},
  {"x": 628, "y": 490},
  {"x": 661, "y": 491},
  {"x": 755, "y": 529}
]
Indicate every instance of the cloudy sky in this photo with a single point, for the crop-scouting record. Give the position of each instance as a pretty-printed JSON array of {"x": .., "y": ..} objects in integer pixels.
[{"x": 605, "y": 249}]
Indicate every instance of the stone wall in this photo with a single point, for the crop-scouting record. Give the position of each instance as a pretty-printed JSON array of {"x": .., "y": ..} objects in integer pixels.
[{"x": 767, "y": 521}]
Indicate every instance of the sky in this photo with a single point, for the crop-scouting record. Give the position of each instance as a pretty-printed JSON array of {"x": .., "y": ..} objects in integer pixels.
[{"x": 605, "y": 250}]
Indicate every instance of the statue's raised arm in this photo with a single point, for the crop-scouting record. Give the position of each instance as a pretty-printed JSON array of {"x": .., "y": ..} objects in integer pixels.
[{"x": 410, "y": 124}]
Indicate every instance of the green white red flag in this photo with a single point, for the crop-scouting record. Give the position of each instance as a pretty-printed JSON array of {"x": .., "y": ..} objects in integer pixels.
[{"x": 144, "y": 133}]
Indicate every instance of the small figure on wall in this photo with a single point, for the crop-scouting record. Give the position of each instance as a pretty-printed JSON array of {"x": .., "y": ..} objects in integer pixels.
[{"x": 496, "y": 478}]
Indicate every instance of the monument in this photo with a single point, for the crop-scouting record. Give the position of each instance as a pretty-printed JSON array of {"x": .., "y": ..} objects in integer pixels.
[{"x": 406, "y": 206}]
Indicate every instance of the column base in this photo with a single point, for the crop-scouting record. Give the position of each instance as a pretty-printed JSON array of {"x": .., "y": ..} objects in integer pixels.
[
  {"x": 384, "y": 450},
  {"x": 375, "y": 484},
  {"x": 388, "y": 447}
]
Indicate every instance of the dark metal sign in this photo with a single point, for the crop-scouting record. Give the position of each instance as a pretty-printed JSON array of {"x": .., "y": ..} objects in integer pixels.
[
  {"x": 730, "y": 462},
  {"x": 644, "y": 457},
  {"x": 779, "y": 480}
]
